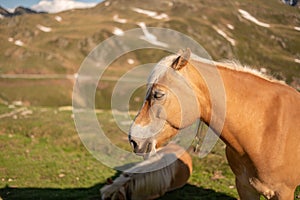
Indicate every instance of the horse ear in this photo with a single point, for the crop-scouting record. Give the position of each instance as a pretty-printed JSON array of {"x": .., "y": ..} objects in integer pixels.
[{"x": 182, "y": 59}]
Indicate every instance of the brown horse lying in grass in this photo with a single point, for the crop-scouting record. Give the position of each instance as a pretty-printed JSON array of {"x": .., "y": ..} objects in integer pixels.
[
  {"x": 141, "y": 182},
  {"x": 261, "y": 124}
]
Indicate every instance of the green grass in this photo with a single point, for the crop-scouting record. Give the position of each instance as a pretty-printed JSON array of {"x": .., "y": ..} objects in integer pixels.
[
  {"x": 54, "y": 92},
  {"x": 42, "y": 157}
]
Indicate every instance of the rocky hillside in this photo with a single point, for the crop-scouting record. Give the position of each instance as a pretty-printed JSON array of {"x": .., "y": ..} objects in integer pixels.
[
  {"x": 18, "y": 11},
  {"x": 4, "y": 12},
  {"x": 262, "y": 34}
]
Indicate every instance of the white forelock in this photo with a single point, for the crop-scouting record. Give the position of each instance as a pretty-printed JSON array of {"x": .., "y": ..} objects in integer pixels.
[{"x": 161, "y": 68}]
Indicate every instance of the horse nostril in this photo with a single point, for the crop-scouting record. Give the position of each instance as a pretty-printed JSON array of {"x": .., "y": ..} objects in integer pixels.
[{"x": 133, "y": 144}]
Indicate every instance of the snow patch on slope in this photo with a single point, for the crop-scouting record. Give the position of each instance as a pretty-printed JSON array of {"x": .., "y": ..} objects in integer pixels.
[
  {"x": 58, "y": 18},
  {"x": 152, "y": 14},
  {"x": 223, "y": 34},
  {"x": 149, "y": 37},
  {"x": 249, "y": 17},
  {"x": 119, "y": 20},
  {"x": 44, "y": 28},
  {"x": 19, "y": 43},
  {"x": 118, "y": 31}
]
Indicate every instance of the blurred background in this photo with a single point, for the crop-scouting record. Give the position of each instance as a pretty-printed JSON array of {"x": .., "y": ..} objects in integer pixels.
[{"x": 43, "y": 44}]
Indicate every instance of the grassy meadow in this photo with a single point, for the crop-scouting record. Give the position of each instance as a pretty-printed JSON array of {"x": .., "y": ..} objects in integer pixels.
[{"x": 42, "y": 157}]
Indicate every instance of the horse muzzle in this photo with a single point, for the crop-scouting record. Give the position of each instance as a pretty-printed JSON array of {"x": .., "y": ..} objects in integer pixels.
[{"x": 142, "y": 147}]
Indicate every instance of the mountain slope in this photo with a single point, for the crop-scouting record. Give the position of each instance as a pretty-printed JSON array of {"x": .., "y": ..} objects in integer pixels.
[
  {"x": 18, "y": 11},
  {"x": 58, "y": 43},
  {"x": 4, "y": 12},
  {"x": 21, "y": 11}
]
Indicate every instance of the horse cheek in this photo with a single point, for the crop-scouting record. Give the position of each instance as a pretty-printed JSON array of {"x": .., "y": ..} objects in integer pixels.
[{"x": 174, "y": 113}]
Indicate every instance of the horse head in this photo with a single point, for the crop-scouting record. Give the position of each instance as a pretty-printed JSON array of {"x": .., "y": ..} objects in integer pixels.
[{"x": 170, "y": 104}]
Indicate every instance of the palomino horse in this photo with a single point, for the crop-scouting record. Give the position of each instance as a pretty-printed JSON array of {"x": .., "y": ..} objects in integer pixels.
[
  {"x": 261, "y": 124},
  {"x": 142, "y": 182}
]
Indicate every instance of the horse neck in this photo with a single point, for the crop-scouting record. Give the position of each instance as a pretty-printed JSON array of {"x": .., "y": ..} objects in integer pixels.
[
  {"x": 207, "y": 84},
  {"x": 247, "y": 101},
  {"x": 242, "y": 93}
]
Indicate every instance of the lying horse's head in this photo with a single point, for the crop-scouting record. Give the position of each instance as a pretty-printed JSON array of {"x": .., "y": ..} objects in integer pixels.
[{"x": 170, "y": 104}]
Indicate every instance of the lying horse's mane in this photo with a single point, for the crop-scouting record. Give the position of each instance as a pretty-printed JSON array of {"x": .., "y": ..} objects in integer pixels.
[
  {"x": 137, "y": 184},
  {"x": 141, "y": 182},
  {"x": 113, "y": 190}
]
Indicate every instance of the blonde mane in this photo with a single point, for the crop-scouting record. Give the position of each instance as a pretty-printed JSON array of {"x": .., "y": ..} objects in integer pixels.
[
  {"x": 143, "y": 181},
  {"x": 139, "y": 183},
  {"x": 161, "y": 67},
  {"x": 166, "y": 63},
  {"x": 237, "y": 66},
  {"x": 145, "y": 184}
]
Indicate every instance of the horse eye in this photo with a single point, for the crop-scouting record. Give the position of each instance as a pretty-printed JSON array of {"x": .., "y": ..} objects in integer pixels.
[{"x": 158, "y": 94}]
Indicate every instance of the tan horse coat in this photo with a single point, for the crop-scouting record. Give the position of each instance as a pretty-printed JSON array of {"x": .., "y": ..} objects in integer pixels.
[
  {"x": 261, "y": 127},
  {"x": 262, "y": 130}
]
